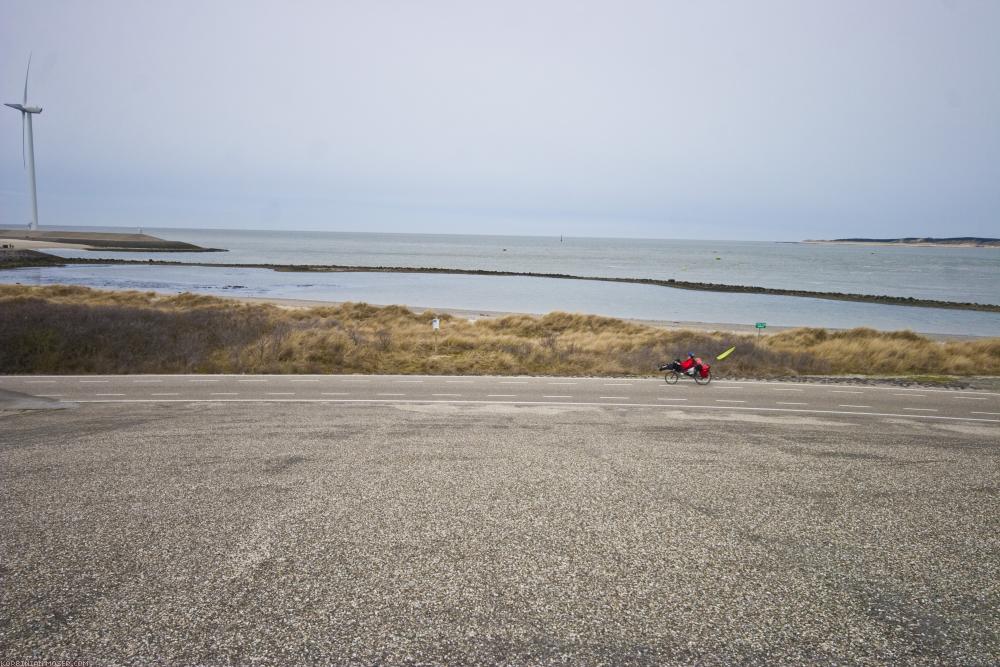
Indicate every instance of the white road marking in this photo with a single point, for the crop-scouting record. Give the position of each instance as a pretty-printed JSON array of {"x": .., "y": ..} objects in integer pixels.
[
  {"x": 719, "y": 400},
  {"x": 281, "y": 393},
  {"x": 985, "y": 413},
  {"x": 788, "y": 403},
  {"x": 40, "y": 381},
  {"x": 513, "y": 382},
  {"x": 917, "y": 395},
  {"x": 458, "y": 381},
  {"x": 841, "y": 391},
  {"x": 146, "y": 381},
  {"x": 445, "y": 394},
  {"x": 408, "y": 381},
  {"x": 780, "y": 389},
  {"x": 334, "y": 393},
  {"x": 969, "y": 398},
  {"x": 740, "y": 388},
  {"x": 921, "y": 409},
  {"x": 304, "y": 380},
  {"x": 356, "y": 380},
  {"x": 48, "y": 395},
  {"x": 614, "y": 384},
  {"x": 557, "y": 397},
  {"x": 563, "y": 383},
  {"x": 251, "y": 380},
  {"x": 204, "y": 380},
  {"x": 224, "y": 393},
  {"x": 853, "y": 406}
]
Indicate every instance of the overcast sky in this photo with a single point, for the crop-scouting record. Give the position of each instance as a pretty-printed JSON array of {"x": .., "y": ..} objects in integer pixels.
[{"x": 732, "y": 120}]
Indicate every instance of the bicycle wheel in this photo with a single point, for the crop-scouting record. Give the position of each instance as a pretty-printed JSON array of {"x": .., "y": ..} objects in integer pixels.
[
  {"x": 671, "y": 377},
  {"x": 703, "y": 380}
]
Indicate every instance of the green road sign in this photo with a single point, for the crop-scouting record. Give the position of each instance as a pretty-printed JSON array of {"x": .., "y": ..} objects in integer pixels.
[{"x": 761, "y": 325}]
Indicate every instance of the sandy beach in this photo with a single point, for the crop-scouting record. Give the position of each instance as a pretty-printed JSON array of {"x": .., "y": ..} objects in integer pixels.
[
  {"x": 672, "y": 325},
  {"x": 38, "y": 244}
]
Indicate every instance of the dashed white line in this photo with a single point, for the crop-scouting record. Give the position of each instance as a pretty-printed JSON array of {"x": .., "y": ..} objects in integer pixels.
[
  {"x": 841, "y": 391},
  {"x": 786, "y": 390},
  {"x": 563, "y": 383},
  {"x": 224, "y": 393},
  {"x": 513, "y": 382},
  {"x": 281, "y": 393},
  {"x": 356, "y": 380},
  {"x": 408, "y": 381},
  {"x": 146, "y": 381},
  {"x": 251, "y": 380},
  {"x": 908, "y": 395},
  {"x": 617, "y": 384},
  {"x": 334, "y": 393},
  {"x": 204, "y": 380},
  {"x": 557, "y": 397},
  {"x": 458, "y": 381},
  {"x": 48, "y": 395},
  {"x": 93, "y": 381},
  {"x": 853, "y": 406},
  {"x": 740, "y": 388},
  {"x": 984, "y": 413},
  {"x": 969, "y": 398},
  {"x": 615, "y": 397},
  {"x": 40, "y": 381},
  {"x": 921, "y": 409},
  {"x": 304, "y": 380}
]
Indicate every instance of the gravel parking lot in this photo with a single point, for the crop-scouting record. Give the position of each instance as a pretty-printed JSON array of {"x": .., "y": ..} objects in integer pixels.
[{"x": 289, "y": 533}]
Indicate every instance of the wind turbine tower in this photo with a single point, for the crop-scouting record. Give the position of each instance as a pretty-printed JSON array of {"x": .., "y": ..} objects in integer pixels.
[{"x": 28, "y": 157}]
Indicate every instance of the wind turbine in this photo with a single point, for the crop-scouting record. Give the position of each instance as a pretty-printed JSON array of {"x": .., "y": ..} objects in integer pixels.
[{"x": 26, "y": 112}]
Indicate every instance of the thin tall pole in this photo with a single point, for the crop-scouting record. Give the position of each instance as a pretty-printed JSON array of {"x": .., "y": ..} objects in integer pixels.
[{"x": 31, "y": 175}]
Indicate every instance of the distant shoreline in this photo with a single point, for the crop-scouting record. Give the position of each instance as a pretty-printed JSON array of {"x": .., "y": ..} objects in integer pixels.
[
  {"x": 920, "y": 242},
  {"x": 22, "y": 239}
]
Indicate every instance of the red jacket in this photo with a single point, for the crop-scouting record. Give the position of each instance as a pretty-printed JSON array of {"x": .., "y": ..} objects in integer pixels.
[{"x": 690, "y": 363}]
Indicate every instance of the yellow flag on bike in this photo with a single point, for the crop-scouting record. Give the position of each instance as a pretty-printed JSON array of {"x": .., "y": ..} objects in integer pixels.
[{"x": 725, "y": 354}]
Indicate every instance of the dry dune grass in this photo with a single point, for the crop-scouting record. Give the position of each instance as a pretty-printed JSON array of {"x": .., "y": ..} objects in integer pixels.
[{"x": 68, "y": 329}]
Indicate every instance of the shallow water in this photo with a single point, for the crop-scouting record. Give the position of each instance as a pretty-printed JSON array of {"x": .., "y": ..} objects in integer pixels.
[
  {"x": 516, "y": 294},
  {"x": 949, "y": 274}
]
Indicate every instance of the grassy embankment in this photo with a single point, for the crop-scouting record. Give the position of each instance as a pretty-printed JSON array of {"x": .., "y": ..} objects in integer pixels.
[{"x": 63, "y": 329}]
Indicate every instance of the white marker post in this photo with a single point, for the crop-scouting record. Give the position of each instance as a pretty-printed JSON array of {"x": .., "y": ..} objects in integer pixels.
[{"x": 436, "y": 326}]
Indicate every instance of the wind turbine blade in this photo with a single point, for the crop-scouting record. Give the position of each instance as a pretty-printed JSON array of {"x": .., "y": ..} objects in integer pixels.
[{"x": 26, "y": 72}]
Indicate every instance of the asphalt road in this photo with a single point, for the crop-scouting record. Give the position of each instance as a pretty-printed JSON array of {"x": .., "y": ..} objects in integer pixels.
[
  {"x": 310, "y": 520},
  {"x": 762, "y": 397}
]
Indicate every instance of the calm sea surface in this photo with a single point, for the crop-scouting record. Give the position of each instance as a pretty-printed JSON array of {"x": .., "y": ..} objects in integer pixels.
[{"x": 952, "y": 274}]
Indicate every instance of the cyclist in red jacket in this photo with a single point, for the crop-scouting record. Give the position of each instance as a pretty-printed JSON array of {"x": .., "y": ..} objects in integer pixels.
[{"x": 692, "y": 362}]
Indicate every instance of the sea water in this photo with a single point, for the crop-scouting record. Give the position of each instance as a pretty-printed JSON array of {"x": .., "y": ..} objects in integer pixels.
[
  {"x": 942, "y": 273},
  {"x": 516, "y": 294}
]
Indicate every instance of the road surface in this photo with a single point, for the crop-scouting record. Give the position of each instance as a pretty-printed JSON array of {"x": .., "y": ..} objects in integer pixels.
[
  {"x": 761, "y": 397},
  {"x": 489, "y": 520}
]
